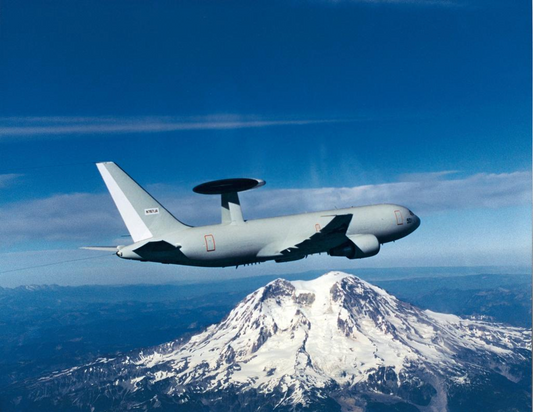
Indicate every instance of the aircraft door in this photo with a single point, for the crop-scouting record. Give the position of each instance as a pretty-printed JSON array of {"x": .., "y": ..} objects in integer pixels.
[
  {"x": 209, "y": 243},
  {"x": 399, "y": 217}
]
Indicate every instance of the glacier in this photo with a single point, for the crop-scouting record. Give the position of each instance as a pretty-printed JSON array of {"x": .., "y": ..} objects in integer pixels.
[{"x": 335, "y": 342}]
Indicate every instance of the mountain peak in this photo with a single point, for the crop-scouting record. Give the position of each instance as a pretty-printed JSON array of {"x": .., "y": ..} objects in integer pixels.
[
  {"x": 326, "y": 288},
  {"x": 320, "y": 283},
  {"x": 305, "y": 339}
]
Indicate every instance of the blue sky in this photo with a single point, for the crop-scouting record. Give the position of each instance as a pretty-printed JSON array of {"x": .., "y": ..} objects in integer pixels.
[{"x": 425, "y": 103}]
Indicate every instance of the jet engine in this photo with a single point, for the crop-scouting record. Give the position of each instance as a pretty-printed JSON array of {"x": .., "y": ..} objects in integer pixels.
[{"x": 357, "y": 247}]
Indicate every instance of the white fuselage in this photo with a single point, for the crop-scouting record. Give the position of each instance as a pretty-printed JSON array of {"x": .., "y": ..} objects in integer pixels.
[{"x": 254, "y": 241}]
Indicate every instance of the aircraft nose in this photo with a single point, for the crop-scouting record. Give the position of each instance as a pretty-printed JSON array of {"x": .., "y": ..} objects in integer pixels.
[
  {"x": 413, "y": 220},
  {"x": 417, "y": 222}
]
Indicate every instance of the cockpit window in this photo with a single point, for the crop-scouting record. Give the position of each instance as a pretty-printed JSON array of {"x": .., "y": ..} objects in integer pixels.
[{"x": 411, "y": 213}]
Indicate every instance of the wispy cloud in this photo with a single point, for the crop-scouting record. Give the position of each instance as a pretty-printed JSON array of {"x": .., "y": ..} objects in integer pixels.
[
  {"x": 8, "y": 179},
  {"x": 425, "y": 196},
  {"x": 441, "y": 3},
  {"x": 86, "y": 216},
  {"x": 421, "y": 177},
  {"x": 60, "y": 217},
  {"x": 68, "y": 126}
]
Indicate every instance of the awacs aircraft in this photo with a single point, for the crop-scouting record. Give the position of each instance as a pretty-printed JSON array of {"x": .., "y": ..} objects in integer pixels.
[{"x": 355, "y": 232}]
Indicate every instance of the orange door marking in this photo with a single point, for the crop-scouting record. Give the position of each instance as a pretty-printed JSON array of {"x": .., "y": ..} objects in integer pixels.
[
  {"x": 399, "y": 217},
  {"x": 209, "y": 243}
]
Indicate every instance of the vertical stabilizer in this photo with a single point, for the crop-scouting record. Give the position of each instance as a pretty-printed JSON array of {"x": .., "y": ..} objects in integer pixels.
[{"x": 143, "y": 215}]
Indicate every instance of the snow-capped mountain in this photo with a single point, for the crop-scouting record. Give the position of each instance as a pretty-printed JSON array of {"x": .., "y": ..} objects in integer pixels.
[{"x": 332, "y": 343}]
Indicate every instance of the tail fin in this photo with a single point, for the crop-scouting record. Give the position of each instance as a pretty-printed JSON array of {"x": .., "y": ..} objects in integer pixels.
[{"x": 143, "y": 215}]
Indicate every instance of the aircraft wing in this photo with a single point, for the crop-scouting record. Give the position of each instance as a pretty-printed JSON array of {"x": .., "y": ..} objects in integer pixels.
[
  {"x": 336, "y": 229},
  {"x": 331, "y": 235}
]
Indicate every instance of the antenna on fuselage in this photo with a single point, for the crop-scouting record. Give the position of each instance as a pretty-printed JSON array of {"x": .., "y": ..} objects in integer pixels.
[{"x": 228, "y": 189}]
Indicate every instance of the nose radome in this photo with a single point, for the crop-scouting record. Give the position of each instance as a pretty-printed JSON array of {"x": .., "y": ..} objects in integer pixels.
[
  {"x": 412, "y": 220},
  {"x": 417, "y": 222}
]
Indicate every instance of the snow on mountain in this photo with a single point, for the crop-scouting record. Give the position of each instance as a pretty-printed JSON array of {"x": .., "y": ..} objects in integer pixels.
[{"x": 301, "y": 342}]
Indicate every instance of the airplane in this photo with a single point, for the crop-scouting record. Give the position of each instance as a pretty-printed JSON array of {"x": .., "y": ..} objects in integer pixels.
[{"x": 355, "y": 232}]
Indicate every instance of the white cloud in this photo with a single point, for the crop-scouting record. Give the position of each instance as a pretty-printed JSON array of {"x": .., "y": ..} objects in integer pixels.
[
  {"x": 442, "y": 3},
  {"x": 8, "y": 179},
  {"x": 425, "y": 195},
  {"x": 67, "y": 126},
  {"x": 91, "y": 218},
  {"x": 417, "y": 177},
  {"x": 60, "y": 217}
]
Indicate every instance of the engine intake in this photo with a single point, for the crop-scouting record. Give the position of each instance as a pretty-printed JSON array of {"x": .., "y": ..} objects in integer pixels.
[{"x": 357, "y": 247}]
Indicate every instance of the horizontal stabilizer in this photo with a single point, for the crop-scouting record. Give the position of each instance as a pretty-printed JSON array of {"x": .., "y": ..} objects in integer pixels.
[
  {"x": 102, "y": 248},
  {"x": 159, "y": 246}
]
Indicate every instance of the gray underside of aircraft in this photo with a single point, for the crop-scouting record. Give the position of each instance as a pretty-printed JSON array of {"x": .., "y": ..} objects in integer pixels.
[{"x": 355, "y": 232}]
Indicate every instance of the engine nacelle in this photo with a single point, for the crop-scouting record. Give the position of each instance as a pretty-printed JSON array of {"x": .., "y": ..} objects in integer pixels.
[{"x": 358, "y": 247}]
